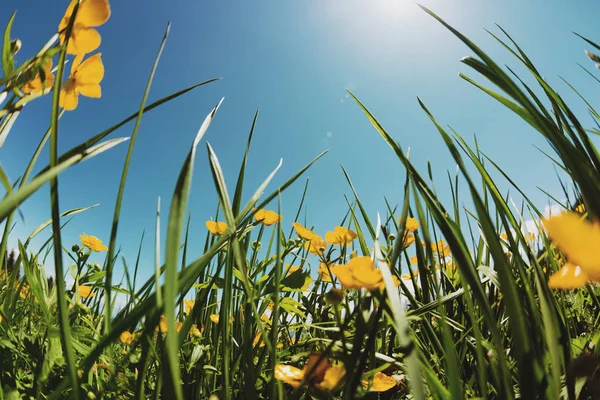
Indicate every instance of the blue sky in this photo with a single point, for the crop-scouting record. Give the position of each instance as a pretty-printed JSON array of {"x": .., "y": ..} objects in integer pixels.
[{"x": 293, "y": 59}]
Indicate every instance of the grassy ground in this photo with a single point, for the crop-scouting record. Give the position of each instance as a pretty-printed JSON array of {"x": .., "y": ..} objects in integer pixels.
[{"x": 430, "y": 300}]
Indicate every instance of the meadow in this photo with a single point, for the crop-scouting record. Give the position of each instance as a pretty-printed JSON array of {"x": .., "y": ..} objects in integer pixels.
[{"x": 424, "y": 301}]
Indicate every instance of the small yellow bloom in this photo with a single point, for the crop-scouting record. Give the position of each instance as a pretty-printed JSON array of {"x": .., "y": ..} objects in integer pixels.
[
  {"x": 414, "y": 260},
  {"x": 267, "y": 217},
  {"x": 162, "y": 325},
  {"x": 194, "y": 331},
  {"x": 580, "y": 208},
  {"x": 414, "y": 273},
  {"x": 92, "y": 242},
  {"x": 84, "y": 38},
  {"x": 316, "y": 246},
  {"x": 84, "y": 80},
  {"x": 504, "y": 236},
  {"x": 530, "y": 236},
  {"x": 303, "y": 232},
  {"x": 396, "y": 280},
  {"x": 215, "y": 318},
  {"x": 178, "y": 325},
  {"x": 411, "y": 224},
  {"x": 381, "y": 382},
  {"x": 408, "y": 240},
  {"x": 340, "y": 235},
  {"x": 325, "y": 376},
  {"x": 127, "y": 337},
  {"x": 189, "y": 304},
  {"x": 324, "y": 273},
  {"x": 216, "y": 228},
  {"x": 360, "y": 273},
  {"x": 578, "y": 240},
  {"x": 86, "y": 291},
  {"x": 36, "y": 85}
]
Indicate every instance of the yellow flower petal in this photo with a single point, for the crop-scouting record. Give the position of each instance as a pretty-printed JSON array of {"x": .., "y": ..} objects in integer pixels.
[
  {"x": 303, "y": 232},
  {"x": 189, "y": 304},
  {"x": 92, "y": 242},
  {"x": 381, "y": 382},
  {"x": 214, "y": 318},
  {"x": 411, "y": 224},
  {"x": 68, "y": 100},
  {"x": 126, "y": 337},
  {"x": 93, "y": 91},
  {"x": 316, "y": 246},
  {"x": 267, "y": 217},
  {"x": 216, "y": 228},
  {"x": 83, "y": 40},
  {"x": 90, "y": 71},
  {"x": 93, "y": 12},
  {"x": 568, "y": 277},
  {"x": 86, "y": 291},
  {"x": 289, "y": 374},
  {"x": 324, "y": 273},
  {"x": 332, "y": 377},
  {"x": 578, "y": 239}
]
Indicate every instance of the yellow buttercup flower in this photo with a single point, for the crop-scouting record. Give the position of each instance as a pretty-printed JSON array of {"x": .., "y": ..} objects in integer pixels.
[
  {"x": 84, "y": 38},
  {"x": 411, "y": 224},
  {"x": 303, "y": 232},
  {"x": 84, "y": 80},
  {"x": 407, "y": 277},
  {"x": 360, "y": 273},
  {"x": 340, "y": 235},
  {"x": 414, "y": 260},
  {"x": 580, "y": 208},
  {"x": 324, "y": 377},
  {"x": 215, "y": 318},
  {"x": 408, "y": 240},
  {"x": 189, "y": 304},
  {"x": 324, "y": 273},
  {"x": 216, "y": 228},
  {"x": 194, "y": 331},
  {"x": 504, "y": 236},
  {"x": 267, "y": 217},
  {"x": 37, "y": 85},
  {"x": 381, "y": 382},
  {"x": 92, "y": 242},
  {"x": 578, "y": 239},
  {"x": 127, "y": 337},
  {"x": 86, "y": 291},
  {"x": 316, "y": 245}
]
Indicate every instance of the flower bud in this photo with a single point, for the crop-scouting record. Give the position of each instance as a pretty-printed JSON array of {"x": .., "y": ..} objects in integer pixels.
[
  {"x": 75, "y": 248},
  {"x": 334, "y": 296},
  {"x": 15, "y": 46}
]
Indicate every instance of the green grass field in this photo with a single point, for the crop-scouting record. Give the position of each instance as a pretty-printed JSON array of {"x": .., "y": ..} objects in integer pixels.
[{"x": 429, "y": 301}]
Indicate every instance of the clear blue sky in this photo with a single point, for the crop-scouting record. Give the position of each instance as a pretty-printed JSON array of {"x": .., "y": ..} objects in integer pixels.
[{"x": 293, "y": 59}]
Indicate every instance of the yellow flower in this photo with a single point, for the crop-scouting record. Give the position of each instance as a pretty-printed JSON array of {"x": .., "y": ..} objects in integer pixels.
[
  {"x": 162, "y": 325},
  {"x": 578, "y": 240},
  {"x": 324, "y": 273},
  {"x": 324, "y": 377},
  {"x": 36, "y": 85},
  {"x": 414, "y": 260},
  {"x": 408, "y": 276},
  {"x": 316, "y": 245},
  {"x": 178, "y": 325},
  {"x": 267, "y": 217},
  {"x": 216, "y": 228},
  {"x": 440, "y": 247},
  {"x": 360, "y": 273},
  {"x": 291, "y": 269},
  {"x": 189, "y": 304},
  {"x": 92, "y": 242},
  {"x": 411, "y": 224},
  {"x": 580, "y": 208},
  {"x": 194, "y": 331},
  {"x": 340, "y": 235},
  {"x": 86, "y": 291},
  {"x": 408, "y": 240},
  {"x": 84, "y": 80},
  {"x": 215, "y": 318},
  {"x": 303, "y": 232},
  {"x": 127, "y": 337},
  {"x": 504, "y": 236},
  {"x": 396, "y": 280},
  {"x": 84, "y": 38},
  {"x": 381, "y": 382}
]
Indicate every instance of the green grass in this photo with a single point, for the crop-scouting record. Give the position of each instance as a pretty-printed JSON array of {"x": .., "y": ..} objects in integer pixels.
[{"x": 476, "y": 319}]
